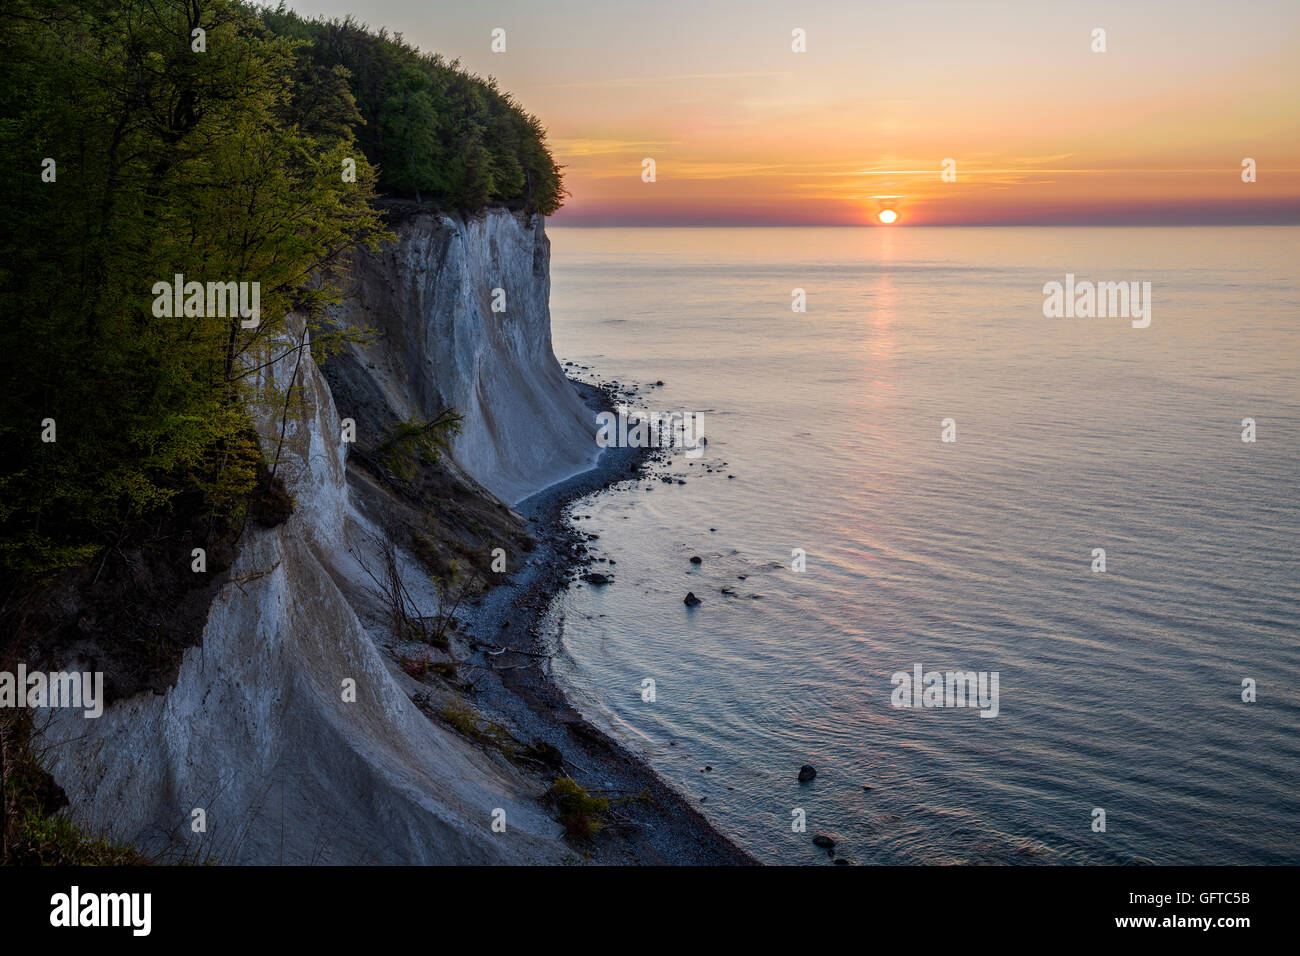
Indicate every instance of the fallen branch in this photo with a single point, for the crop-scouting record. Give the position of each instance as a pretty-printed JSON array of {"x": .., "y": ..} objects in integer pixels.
[{"x": 514, "y": 650}]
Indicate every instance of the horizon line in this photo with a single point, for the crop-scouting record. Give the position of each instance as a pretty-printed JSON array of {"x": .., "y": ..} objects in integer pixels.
[
  {"x": 1271, "y": 211},
  {"x": 741, "y": 224}
]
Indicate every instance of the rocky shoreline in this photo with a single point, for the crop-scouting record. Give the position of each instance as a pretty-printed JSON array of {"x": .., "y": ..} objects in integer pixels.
[
  {"x": 365, "y": 656},
  {"x": 513, "y": 657}
]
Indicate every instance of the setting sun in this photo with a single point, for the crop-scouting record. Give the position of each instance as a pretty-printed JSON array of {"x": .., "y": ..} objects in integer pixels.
[{"x": 888, "y": 216}]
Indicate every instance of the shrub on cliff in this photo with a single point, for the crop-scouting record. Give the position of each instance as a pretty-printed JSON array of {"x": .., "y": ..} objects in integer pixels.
[
  {"x": 33, "y": 831},
  {"x": 581, "y": 814}
]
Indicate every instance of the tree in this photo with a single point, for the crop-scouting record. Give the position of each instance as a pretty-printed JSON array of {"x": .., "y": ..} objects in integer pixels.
[{"x": 168, "y": 161}]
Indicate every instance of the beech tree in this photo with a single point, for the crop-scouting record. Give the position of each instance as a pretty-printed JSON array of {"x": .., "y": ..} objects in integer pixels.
[{"x": 172, "y": 157}]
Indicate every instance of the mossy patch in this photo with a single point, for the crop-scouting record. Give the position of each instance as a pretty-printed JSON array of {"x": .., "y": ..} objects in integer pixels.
[
  {"x": 470, "y": 723},
  {"x": 33, "y": 831}
]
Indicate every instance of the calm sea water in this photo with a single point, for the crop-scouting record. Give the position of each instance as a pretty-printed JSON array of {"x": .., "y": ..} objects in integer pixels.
[{"x": 1120, "y": 691}]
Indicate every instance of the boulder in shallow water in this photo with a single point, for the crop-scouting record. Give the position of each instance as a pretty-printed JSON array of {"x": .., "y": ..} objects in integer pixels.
[
  {"x": 807, "y": 772},
  {"x": 691, "y": 600}
]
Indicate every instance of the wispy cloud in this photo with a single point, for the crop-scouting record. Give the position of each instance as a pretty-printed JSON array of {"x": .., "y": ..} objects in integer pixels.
[
  {"x": 661, "y": 78},
  {"x": 576, "y": 147}
]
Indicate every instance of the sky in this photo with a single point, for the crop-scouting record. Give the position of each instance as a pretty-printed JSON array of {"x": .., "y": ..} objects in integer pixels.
[{"x": 1040, "y": 128}]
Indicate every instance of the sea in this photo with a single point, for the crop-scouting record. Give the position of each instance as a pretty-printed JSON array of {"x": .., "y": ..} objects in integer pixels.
[{"x": 923, "y": 470}]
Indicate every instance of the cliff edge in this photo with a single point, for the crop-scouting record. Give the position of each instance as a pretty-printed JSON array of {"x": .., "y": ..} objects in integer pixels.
[
  {"x": 461, "y": 308},
  {"x": 292, "y": 734}
]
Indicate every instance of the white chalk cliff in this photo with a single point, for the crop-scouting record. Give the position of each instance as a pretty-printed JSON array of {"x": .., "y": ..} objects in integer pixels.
[
  {"x": 256, "y": 733},
  {"x": 430, "y": 296}
]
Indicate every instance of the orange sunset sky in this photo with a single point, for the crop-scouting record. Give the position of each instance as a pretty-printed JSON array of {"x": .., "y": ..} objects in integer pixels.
[{"x": 1041, "y": 128}]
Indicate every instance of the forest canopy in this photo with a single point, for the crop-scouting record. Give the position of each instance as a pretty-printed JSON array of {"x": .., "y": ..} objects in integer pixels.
[
  {"x": 209, "y": 139},
  {"x": 431, "y": 128}
]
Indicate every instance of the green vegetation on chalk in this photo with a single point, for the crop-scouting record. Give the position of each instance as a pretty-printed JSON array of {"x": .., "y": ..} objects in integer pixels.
[
  {"x": 411, "y": 441},
  {"x": 33, "y": 831},
  {"x": 469, "y": 723},
  {"x": 208, "y": 139},
  {"x": 581, "y": 814}
]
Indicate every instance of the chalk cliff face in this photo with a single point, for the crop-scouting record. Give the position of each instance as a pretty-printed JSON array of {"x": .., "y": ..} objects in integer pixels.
[
  {"x": 261, "y": 732},
  {"x": 430, "y": 296}
]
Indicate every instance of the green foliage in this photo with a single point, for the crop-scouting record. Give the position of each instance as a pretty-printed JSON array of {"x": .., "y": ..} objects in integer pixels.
[
  {"x": 582, "y": 815},
  {"x": 34, "y": 832},
  {"x": 469, "y": 723},
  {"x": 433, "y": 130},
  {"x": 41, "y": 840},
  {"x": 169, "y": 161},
  {"x": 224, "y": 164},
  {"x": 414, "y": 439}
]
